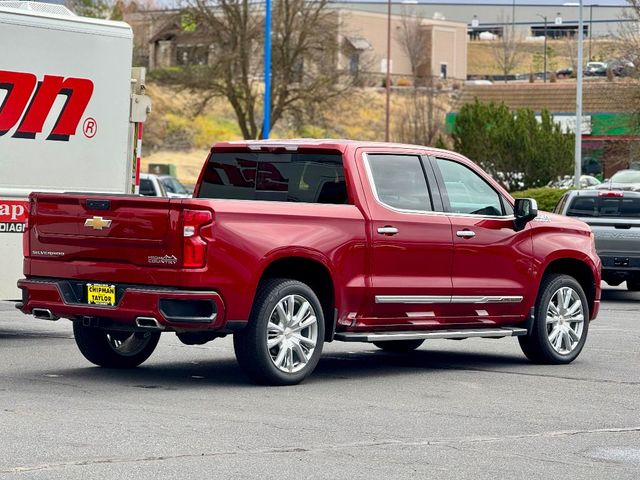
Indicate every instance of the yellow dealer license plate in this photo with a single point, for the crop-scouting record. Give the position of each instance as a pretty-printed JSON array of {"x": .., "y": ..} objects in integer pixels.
[{"x": 101, "y": 294}]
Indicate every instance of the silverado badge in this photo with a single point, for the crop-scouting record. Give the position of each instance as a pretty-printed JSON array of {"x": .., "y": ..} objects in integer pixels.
[{"x": 97, "y": 223}]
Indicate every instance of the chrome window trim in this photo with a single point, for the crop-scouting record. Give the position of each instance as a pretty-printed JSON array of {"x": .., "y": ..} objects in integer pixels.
[
  {"x": 426, "y": 299},
  {"x": 435, "y": 159},
  {"x": 421, "y": 212},
  {"x": 374, "y": 189}
]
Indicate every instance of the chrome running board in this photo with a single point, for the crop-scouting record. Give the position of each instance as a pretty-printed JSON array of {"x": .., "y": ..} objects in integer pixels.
[{"x": 437, "y": 334}]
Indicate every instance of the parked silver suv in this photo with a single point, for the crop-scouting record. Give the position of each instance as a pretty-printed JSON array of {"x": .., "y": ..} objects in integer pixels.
[{"x": 614, "y": 218}]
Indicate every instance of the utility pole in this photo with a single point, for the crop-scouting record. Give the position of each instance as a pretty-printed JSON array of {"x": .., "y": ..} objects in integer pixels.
[
  {"x": 590, "y": 28},
  {"x": 544, "y": 74},
  {"x": 388, "y": 79}
]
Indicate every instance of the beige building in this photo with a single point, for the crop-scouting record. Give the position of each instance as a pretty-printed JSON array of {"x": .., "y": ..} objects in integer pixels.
[
  {"x": 160, "y": 41},
  {"x": 445, "y": 44}
]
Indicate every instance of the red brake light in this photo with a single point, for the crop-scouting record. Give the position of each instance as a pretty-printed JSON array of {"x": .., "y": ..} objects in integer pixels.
[
  {"x": 195, "y": 248},
  {"x": 25, "y": 235},
  {"x": 611, "y": 193}
]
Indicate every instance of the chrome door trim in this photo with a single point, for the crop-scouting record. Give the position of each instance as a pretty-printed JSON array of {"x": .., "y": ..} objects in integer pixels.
[
  {"x": 487, "y": 299},
  {"x": 425, "y": 299},
  {"x": 413, "y": 298}
]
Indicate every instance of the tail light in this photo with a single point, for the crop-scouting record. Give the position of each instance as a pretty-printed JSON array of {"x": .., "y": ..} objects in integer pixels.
[
  {"x": 25, "y": 235},
  {"x": 195, "y": 247}
]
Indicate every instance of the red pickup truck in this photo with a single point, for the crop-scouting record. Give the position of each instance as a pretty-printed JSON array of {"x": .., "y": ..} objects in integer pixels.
[{"x": 290, "y": 244}]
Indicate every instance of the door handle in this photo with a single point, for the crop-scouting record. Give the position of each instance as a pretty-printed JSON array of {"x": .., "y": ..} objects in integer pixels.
[
  {"x": 387, "y": 230},
  {"x": 465, "y": 234}
]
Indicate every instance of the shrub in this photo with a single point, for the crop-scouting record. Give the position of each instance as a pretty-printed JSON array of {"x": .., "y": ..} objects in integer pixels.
[{"x": 546, "y": 197}]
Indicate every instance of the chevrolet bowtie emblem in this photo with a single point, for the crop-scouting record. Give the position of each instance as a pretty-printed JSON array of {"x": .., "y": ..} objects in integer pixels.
[{"x": 97, "y": 223}]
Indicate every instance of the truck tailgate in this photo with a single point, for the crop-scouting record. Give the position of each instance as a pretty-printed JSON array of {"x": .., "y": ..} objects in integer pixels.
[
  {"x": 616, "y": 235},
  {"x": 105, "y": 228}
]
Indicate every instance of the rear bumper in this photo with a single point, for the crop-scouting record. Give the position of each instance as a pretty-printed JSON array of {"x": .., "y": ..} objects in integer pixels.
[
  {"x": 622, "y": 264},
  {"x": 172, "y": 309}
]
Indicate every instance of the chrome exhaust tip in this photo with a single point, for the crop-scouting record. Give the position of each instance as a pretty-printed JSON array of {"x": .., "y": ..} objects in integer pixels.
[
  {"x": 44, "y": 314},
  {"x": 149, "y": 323}
]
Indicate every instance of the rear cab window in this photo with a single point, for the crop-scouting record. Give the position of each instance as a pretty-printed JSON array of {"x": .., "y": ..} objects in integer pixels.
[
  {"x": 607, "y": 207},
  {"x": 314, "y": 177}
]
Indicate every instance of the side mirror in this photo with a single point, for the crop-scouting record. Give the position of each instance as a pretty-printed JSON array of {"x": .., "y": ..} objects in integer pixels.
[{"x": 525, "y": 210}]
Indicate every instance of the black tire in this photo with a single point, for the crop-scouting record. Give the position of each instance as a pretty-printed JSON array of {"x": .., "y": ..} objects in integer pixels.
[
  {"x": 399, "y": 346},
  {"x": 114, "y": 349},
  {"x": 633, "y": 285},
  {"x": 250, "y": 344},
  {"x": 538, "y": 346}
]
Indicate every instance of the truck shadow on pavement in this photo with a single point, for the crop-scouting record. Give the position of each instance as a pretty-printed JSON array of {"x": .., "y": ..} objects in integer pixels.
[
  {"x": 332, "y": 366},
  {"x": 619, "y": 296}
]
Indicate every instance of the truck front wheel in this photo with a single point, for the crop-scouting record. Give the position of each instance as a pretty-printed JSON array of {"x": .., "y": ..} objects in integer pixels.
[
  {"x": 113, "y": 348},
  {"x": 561, "y": 322},
  {"x": 283, "y": 341}
]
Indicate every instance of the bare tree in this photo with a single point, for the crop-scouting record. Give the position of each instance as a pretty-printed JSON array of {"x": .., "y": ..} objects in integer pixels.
[
  {"x": 506, "y": 48},
  {"x": 628, "y": 33},
  {"x": 422, "y": 118},
  {"x": 416, "y": 42},
  {"x": 304, "y": 58},
  {"x": 571, "y": 50}
]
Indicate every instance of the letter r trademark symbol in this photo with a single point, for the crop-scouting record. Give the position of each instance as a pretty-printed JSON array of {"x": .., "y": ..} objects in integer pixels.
[{"x": 90, "y": 127}]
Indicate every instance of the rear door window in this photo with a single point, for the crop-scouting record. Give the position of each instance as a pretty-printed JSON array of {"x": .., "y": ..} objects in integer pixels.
[
  {"x": 285, "y": 177},
  {"x": 604, "y": 207},
  {"x": 400, "y": 182}
]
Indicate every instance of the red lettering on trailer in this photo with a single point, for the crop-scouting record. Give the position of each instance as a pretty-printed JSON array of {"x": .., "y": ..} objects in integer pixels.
[{"x": 22, "y": 87}]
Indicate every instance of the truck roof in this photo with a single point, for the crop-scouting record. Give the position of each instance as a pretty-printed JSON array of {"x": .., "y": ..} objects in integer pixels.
[{"x": 293, "y": 144}]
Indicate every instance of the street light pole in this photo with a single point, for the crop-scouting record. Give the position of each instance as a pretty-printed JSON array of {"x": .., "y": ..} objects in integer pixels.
[
  {"x": 266, "y": 122},
  {"x": 578, "y": 149},
  {"x": 388, "y": 79}
]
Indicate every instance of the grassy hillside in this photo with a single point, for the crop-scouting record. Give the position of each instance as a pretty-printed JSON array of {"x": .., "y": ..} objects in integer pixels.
[
  {"x": 181, "y": 128},
  {"x": 482, "y": 61}
]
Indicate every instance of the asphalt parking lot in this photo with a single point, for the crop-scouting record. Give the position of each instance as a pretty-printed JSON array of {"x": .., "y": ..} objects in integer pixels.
[{"x": 473, "y": 409}]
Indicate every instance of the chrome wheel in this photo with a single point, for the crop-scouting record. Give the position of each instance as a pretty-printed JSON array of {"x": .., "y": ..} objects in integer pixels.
[
  {"x": 565, "y": 320},
  {"x": 292, "y": 333},
  {"x": 128, "y": 344}
]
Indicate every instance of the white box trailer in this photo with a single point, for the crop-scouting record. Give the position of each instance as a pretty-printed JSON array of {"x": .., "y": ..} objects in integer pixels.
[{"x": 66, "y": 117}]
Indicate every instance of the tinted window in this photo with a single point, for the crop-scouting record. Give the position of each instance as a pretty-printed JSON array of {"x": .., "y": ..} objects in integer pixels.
[
  {"x": 467, "y": 191},
  {"x": 146, "y": 188},
  {"x": 400, "y": 181},
  {"x": 286, "y": 177},
  {"x": 604, "y": 207}
]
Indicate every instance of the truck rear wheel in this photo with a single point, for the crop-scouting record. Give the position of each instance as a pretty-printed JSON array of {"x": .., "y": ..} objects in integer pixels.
[
  {"x": 283, "y": 341},
  {"x": 561, "y": 322},
  {"x": 113, "y": 348},
  {"x": 399, "y": 346}
]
